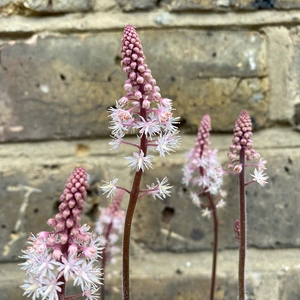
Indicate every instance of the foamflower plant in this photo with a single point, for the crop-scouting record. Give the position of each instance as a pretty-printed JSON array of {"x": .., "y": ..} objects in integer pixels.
[
  {"x": 203, "y": 173},
  {"x": 241, "y": 150},
  {"x": 67, "y": 253},
  {"x": 111, "y": 225},
  {"x": 145, "y": 113}
]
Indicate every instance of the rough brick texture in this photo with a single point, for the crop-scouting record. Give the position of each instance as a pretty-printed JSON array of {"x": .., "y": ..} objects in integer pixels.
[
  {"x": 177, "y": 225},
  {"x": 66, "y": 83}
]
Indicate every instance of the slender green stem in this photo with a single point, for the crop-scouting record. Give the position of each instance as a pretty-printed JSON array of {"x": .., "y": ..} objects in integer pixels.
[
  {"x": 214, "y": 264},
  {"x": 243, "y": 224}
]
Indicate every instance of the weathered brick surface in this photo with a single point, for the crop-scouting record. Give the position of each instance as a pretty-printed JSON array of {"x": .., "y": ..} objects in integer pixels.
[
  {"x": 271, "y": 274},
  {"x": 130, "y": 5},
  {"x": 182, "y": 5},
  {"x": 249, "y": 5},
  {"x": 66, "y": 83},
  {"x": 289, "y": 288},
  {"x": 54, "y": 6},
  {"x": 171, "y": 225},
  {"x": 46, "y": 168},
  {"x": 273, "y": 214},
  {"x": 287, "y": 4},
  {"x": 59, "y": 87}
]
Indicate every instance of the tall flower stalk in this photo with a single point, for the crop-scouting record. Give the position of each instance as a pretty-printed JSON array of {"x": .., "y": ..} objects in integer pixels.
[
  {"x": 110, "y": 224},
  {"x": 69, "y": 251},
  {"x": 241, "y": 150},
  {"x": 144, "y": 112},
  {"x": 203, "y": 171}
]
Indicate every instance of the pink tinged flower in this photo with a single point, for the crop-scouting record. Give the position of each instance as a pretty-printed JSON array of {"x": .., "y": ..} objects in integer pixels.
[
  {"x": 31, "y": 287},
  {"x": 195, "y": 199},
  {"x": 261, "y": 164},
  {"x": 116, "y": 142},
  {"x": 167, "y": 143},
  {"x": 50, "y": 288},
  {"x": 68, "y": 266},
  {"x": 221, "y": 204},
  {"x": 161, "y": 190},
  {"x": 87, "y": 275},
  {"x": 139, "y": 161},
  {"x": 260, "y": 177},
  {"x": 91, "y": 294},
  {"x": 109, "y": 187},
  {"x": 149, "y": 127},
  {"x": 206, "y": 213},
  {"x": 238, "y": 168}
]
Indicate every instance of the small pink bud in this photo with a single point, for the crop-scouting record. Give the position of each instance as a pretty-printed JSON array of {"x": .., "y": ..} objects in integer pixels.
[
  {"x": 138, "y": 95},
  {"x": 141, "y": 68},
  {"x": 78, "y": 196},
  {"x": 57, "y": 254},
  {"x": 74, "y": 231},
  {"x": 72, "y": 203},
  {"x": 73, "y": 249},
  {"x": 51, "y": 240},
  {"x": 69, "y": 223},
  {"x": 73, "y": 189},
  {"x": 132, "y": 75},
  {"x": 148, "y": 87},
  {"x": 51, "y": 222},
  {"x": 77, "y": 185},
  {"x": 69, "y": 196},
  {"x": 60, "y": 226},
  {"x": 66, "y": 213},
  {"x": 64, "y": 238},
  {"x": 140, "y": 80},
  {"x": 43, "y": 235},
  {"x": 146, "y": 104},
  {"x": 133, "y": 65}
]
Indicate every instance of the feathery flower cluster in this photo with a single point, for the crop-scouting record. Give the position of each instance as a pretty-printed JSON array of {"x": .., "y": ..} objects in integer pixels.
[
  {"x": 110, "y": 224},
  {"x": 202, "y": 168},
  {"x": 142, "y": 111},
  {"x": 242, "y": 133},
  {"x": 69, "y": 251}
]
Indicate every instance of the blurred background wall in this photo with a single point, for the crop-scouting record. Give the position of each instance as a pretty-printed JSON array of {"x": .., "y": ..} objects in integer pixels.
[{"x": 60, "y": 72}]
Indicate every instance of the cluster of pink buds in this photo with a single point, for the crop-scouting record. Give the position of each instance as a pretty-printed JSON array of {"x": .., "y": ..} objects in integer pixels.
[
  {"x": 69, "y": 251},
  {"x": 242, "y": 145},
  {"x": 142, "y": 111},
  {"x": 202, "y": 168}
]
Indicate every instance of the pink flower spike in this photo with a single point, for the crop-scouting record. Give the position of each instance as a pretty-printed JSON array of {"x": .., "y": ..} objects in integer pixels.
[
  {"x": 53, "y": 257},
  {"x": 241, "y": 138}
]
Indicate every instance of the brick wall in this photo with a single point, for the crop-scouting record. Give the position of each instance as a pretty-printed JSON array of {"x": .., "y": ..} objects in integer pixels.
[{"x": 60, "y": 71}]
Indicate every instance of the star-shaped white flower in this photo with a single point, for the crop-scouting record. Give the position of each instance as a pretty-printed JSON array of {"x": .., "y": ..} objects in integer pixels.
[
  {"x": 139, "y": 161},
  {"x": 109, "y": 187},
  {"x": 260, "y": 177}
]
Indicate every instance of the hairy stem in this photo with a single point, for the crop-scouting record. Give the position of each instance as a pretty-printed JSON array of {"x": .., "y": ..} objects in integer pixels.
[
  {"x": 242, "y": 250},
  {"x": 104, "y": 258},
  {"x": 214, "y": 264},
  {"x": 134, "y": 194}
]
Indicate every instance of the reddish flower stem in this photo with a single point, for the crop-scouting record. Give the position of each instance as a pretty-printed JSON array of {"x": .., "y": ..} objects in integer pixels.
[
  {"x": 104, "y": 258},
  {"x": 243, "y": 240},
  {"x": 215, "y": 250},
  {"x": 134, "y": 194}
]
